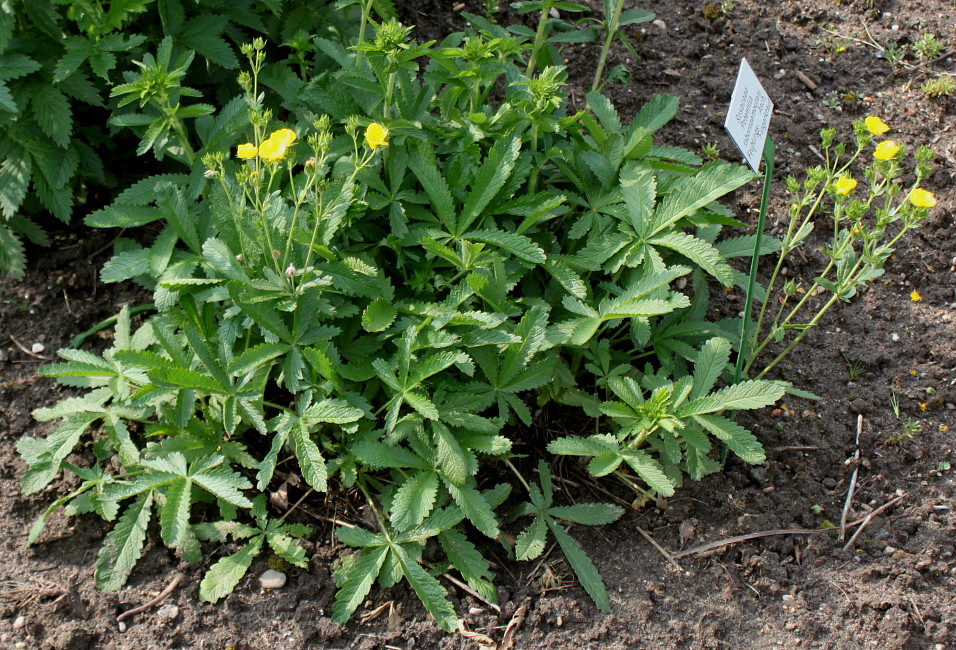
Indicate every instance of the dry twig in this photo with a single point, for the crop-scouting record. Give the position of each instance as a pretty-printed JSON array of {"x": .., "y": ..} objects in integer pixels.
[
  {"x": 866, "y": 520},
  {"x": 663, "y": 551},
  {"x": 856, "y": 472},
  {"x": 743, "y": 538},
  {"x": 26, "y": 351},
  {"x": 155, "y": 601}
]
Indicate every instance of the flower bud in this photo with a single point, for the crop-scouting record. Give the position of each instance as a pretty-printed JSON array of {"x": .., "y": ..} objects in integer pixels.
[{"x": 290, "y": 271}]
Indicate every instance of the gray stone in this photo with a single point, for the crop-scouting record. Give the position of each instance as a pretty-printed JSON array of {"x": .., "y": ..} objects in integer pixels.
[{"x": 272, "y": 579}]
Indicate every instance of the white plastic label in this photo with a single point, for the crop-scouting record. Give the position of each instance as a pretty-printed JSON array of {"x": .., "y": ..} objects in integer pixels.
[{"x": 749, "y": 115}]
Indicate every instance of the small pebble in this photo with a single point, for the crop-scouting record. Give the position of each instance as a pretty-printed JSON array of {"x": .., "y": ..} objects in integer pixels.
[
  {"x": 122, "y": 626},
  {"x": 474, "y": 611},
  {"x": 889, "y": 550},
  {"x": 38, "y": 348},
  {"x": 20, "y": 644},
  {"x": 894, "y": 337},
  {"x": 787, "y": 597},
  {"x": 168, "y": 612},
  {"x": 660, "y": 23},
  {"x": 272, "y": 579},
  {"x": 21, "y": 621},
  {"x": 3, "y": 356}
]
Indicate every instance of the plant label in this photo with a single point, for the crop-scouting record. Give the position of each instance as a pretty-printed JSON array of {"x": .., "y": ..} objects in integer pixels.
[{"x": 749, "y": 115}]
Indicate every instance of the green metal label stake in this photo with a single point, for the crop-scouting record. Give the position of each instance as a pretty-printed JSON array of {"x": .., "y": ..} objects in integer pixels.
[{"x": 769, "y": 153}]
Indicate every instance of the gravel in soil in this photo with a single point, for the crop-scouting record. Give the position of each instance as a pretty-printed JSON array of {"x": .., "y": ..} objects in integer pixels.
[{"x": 893, "y": 589}]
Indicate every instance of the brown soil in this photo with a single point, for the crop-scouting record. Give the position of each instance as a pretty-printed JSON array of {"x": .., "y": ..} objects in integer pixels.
[{"x": 893, "y": 589}]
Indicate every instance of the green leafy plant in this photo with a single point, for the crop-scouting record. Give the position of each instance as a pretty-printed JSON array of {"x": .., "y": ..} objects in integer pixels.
[
  {"x": 59, "y": 65},
  {"x": 942, "y": 85},
  {"x": 379, "y": 292},
  {"x": 927, "y": 47},
  {"x": 546, "y": 517}
]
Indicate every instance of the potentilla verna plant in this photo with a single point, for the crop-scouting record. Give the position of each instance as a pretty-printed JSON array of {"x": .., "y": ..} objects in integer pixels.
[{"x": 379, "y": 287}]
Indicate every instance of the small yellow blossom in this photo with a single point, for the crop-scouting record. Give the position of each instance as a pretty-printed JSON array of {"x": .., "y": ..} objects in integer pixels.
[
  {"x": 845, "y": 185},
  {"x": 886, "y": 150},
  {"x": 922, "y": 198},
  {"x": 272, "y": 150},
  {"x": 247, "y": 151},
  {"x": 876, "y": 126},
  {"x": 285, "y": 136},
  {"x": 943, "y": 427},
  {"x": 922, "y": 406},
  {"x": 913, "y": 372},
  {"x": 310, "y": 163},
  {"x": 915, "y": 297},
  {"x": 376, "y": 135}
]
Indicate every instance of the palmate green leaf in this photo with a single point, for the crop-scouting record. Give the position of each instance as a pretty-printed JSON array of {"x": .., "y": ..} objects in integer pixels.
[
  {"x": 650, "y": 471},
  {"x": 288, "y": 547},
  {"x": 378, "y": 455},
  {"x": 378, "y": 315},
  {"x": 713, "y": 180},
  {"x": 738, "y": 439},
  {"x": 604, "y": 111},
  {"x": 224, "y": 575},
  {"x": 475, "y": 508},
  {"x": 518, "y": 245},
  {"x": 356, "y": 581},
  {"x": 589, "y": 514},
  {"x": 456, "y": 464},
  {"x": 332, "y": 411},
  {"x": 531, "y": 541},
  {"x": 492, "y": 176},
  {"x": 751, "y": 394},
  {"x": 592, "y": 446},
  {"x": 414, "y": 500},
  {"x": 52, "y": 111},
  {"x": 220, "y": 481},
  {"x": 174, "y": 517},
  {"x": 421, "y": 404},
  {"x": 256, "y": 357},
  {"x": 470, "y": 563},
  {"x": 711, "y": 363},
  {"x": 743, "y": 246},
  {"x": 45, "y": 465},
  {"x": 310, "y": 459},
  {"x": 639, "y": 189},
  {"x": 433, "y": 596},
  {"x": 359, "y": 537},
  {"x": 583, "y": 568},
  {"x": 123, "y": 545},
  {"x": 126, "y": 265},
  {"x": 425, "y": 167},
  {"x": 698, "y": 251},
  {"x": 657, "y": 112}
]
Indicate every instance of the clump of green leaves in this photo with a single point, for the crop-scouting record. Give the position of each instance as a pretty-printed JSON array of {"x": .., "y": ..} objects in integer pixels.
[
  {"x": 942, "y": 85},
  {"x": 62, "y": 62},
  {"x": 379, "y": 292},
  {"x": 927, "y": 47}
]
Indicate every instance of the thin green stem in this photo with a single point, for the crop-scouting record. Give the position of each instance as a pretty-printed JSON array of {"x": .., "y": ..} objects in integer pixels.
[
  {"x": 538, "y": 38},
  {"x": 608, "y": 38}
]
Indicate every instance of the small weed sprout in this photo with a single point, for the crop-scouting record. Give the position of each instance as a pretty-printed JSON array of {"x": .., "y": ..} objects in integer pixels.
[
  {"x": 910, "y": 428},
  {"x": 710, "y": 151},
  {"x": 927, "y": 47},
  {"x": 940, "y": 86}
]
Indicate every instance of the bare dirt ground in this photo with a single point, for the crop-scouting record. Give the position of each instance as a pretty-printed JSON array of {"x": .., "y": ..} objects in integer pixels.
[{"x": 895, "y": 587}]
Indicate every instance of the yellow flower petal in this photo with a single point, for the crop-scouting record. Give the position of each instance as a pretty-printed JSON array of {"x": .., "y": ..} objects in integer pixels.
[
  {"x": 376, "y": 135},
  {"x": 247, "y": 151},
  {"x": 844, "y": 185},
  {"x": 886, "y": 150},
  {"x": 876, "y": 126},
  {"x": 922, "y": 198},
  {"x": 915, "y": 297},
  {"x": 272, "y": 150},
  {"x": 923, "y": 406},
  {"x": 285, "y": 136}
]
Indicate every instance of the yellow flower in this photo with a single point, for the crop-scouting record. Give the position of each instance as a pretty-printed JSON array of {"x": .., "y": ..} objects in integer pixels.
[
  {"x": 921, "y": 198},
  {"x": 923, "y": 406},
  {"x": 915, "y": 297},
  {"x": 285, "y": 136},
  {"x": 845, "y": 185},
  {"x": 247, "y": 151},
  {"x": 886, "y": 150},
  {"x": 376, "y": 135},
  {"x": 876, "y": 126},
  {"x": 913, "y": 372},
  {"x": 943, "y": 427},
  {"x": 272, "y": 150}
]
